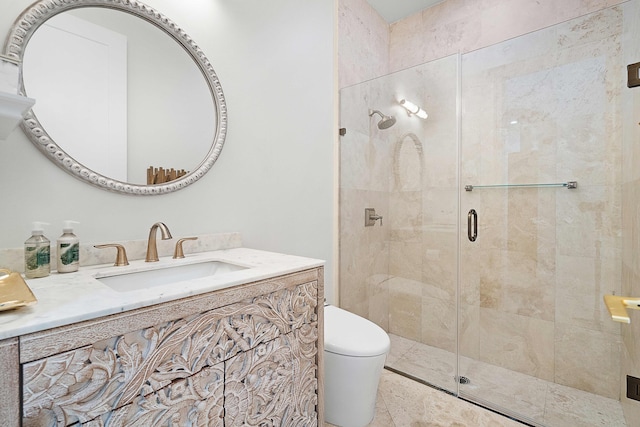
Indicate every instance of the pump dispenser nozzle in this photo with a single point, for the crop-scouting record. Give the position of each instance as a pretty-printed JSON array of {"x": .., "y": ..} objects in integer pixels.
[
  {"x": 38, "y": 227},
  {"x": 67, "y": 226}
]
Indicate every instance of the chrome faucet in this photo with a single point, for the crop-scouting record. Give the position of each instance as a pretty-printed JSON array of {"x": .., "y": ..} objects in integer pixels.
[{"x": 152, "y": 248}]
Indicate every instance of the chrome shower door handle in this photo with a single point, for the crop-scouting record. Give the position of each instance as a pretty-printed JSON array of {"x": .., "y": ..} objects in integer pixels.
[{"x": 472, "y": 225}]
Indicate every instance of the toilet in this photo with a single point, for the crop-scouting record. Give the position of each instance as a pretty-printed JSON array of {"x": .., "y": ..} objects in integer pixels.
[{"x": 354, "y": 353}]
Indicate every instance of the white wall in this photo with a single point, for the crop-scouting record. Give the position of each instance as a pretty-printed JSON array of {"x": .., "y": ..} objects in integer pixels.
[{"x": 274, "y": 179}]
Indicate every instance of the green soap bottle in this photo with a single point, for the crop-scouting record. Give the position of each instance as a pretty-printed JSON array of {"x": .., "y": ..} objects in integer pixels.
[
  {"x": 37, "y": 253},
  {"x": 68, "y": 249}
]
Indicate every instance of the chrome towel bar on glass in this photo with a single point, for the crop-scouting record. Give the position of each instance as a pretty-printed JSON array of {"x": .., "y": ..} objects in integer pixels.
[{"x": 569, "y": 185}]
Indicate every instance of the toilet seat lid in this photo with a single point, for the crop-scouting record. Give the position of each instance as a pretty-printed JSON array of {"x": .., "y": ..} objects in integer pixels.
[{"x": 351, "y": 335}]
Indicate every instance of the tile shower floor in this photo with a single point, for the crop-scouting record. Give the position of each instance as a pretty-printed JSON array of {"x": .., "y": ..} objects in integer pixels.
[{"x": 404, "y": 402}]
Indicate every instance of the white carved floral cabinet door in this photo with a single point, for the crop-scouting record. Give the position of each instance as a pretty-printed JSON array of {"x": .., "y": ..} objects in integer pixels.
[
  {"x": 252, "y": 362},
  {"x": 272, "y": 385}
]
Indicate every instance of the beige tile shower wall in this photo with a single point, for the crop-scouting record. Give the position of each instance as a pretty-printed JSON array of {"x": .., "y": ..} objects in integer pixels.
[
  {"x": 364, "y": 182},
  {"x": 631, "y": 212},
  {"x": 545, "y": 107},
  {"x": 363, "y": 43},
  {"x": 631, "y": 272},
  {"x": 408, "y": 174},
  {"x": 465, "y": 25},
  {"x": 423, "y": 207},
  {"x": 575, "y": 245}
]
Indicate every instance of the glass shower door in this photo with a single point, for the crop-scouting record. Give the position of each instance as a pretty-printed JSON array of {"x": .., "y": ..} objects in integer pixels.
[
  {"x": 402, "y": 273},
  {"x": 535, "y": 340},
  {"x": 423, "y": 232}
]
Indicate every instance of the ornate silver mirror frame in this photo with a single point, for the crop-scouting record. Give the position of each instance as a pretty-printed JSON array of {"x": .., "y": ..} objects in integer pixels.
[{"x": 34, "y": 16}]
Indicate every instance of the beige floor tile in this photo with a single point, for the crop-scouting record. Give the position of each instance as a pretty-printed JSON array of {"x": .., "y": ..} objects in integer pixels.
[
  {"x": 403, "y": 402},
  {"x": 567, "y": 406},
  {"x": 518, "y": 394}
]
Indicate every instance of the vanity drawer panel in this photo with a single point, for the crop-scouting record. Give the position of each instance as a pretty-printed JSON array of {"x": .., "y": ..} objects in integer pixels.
[
  {"x": 275, "y": 383},
  {"x": 194, "y": 401},
  {"x": 10, "y": 380},
  {"x": 263, "y": 318},
  {"x": 57, "y": 340},
  {"x": 85, "y": 383}
]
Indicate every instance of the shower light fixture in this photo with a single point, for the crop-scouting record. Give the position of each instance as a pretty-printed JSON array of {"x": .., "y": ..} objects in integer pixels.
[{"x": 413, "y": 109}]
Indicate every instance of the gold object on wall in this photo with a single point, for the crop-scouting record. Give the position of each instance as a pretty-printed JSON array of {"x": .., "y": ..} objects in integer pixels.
[
  {"x": 618, "y": 305},
  {"x": 14, "y": 291},
  {"x": 162, "y": 175}
]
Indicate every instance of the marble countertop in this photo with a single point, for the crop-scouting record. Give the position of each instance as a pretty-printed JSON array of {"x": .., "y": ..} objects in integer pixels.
[{"x": 68, "y": 298}]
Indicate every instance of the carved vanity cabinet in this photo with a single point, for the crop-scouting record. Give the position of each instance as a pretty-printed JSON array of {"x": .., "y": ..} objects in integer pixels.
[
  {"x": 246, "y": 355},
  {"x": 9, "y": 380}
]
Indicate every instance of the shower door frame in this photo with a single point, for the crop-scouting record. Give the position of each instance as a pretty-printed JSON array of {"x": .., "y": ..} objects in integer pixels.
[
  {"x": 539, "y": 271},
  {"x": 378, "y": 291}
]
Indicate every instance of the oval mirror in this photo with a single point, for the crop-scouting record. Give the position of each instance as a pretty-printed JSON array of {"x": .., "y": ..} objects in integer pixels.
[{"x": 124, "y": 101}]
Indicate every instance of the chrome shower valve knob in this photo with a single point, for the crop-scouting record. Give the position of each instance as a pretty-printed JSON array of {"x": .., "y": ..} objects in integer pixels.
[{"x": 370, "y": 217}]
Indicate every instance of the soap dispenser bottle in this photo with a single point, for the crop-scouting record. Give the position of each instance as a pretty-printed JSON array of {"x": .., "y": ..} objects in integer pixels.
[
  {"x": 37, "y": 253},
  {"x": 68, "y": 249}
]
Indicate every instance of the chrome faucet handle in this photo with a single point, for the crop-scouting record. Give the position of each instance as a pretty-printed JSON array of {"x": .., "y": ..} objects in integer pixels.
[
  {"x": 121, "y": 255},
  {"x": 178, "y": 253},
  {"x": 370, "y": 217},
  {"x": 376, "y": 217}
]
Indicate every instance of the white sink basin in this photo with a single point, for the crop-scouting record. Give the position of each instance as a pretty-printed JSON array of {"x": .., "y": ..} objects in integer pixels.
[{"x": 137, "y": 280}]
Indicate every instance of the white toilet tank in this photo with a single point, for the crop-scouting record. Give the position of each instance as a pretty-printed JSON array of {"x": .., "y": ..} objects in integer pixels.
[{"x": 354, "y": 353}]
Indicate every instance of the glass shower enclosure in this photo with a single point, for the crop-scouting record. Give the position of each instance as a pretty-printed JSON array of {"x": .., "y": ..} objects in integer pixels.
[{"x": 501, "y": 219}]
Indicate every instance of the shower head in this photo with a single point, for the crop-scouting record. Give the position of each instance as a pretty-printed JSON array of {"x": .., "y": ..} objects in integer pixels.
[{"x": 386, "y": 122}]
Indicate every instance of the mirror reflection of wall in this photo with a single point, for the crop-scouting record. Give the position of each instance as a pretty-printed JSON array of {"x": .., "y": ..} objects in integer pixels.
[
  {"x": 169, "y": 117},
  {"x": 84, "y": 102}
]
